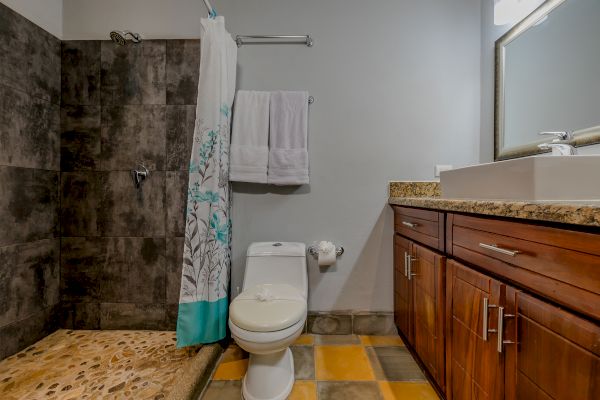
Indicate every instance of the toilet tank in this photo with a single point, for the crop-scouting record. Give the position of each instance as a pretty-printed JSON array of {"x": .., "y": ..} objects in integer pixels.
[{"x": 276, "y": 262}]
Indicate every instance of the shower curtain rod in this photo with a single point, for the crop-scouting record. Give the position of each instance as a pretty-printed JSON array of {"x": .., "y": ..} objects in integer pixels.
[
  {"x": 273, "y": 39},
  {"x": 211, "y": 10}
]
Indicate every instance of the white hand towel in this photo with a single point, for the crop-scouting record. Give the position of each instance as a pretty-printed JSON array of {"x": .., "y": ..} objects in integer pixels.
[
  {"x": 249, "y": 153},
  {"x": 288, "y": 153}
]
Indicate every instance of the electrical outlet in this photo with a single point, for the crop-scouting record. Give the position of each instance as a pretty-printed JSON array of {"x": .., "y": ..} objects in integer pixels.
[{"x": 439, "y": 168}]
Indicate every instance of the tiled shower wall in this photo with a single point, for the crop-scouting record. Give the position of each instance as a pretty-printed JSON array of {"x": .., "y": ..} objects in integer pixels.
[
  {"x": 121, "y": 247},
  {"x": 29, "y": 182}
]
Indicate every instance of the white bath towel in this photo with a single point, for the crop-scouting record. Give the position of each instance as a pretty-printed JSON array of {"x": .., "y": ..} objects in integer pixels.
[
  {"x": 288, "y": 153},
  {"x": 249, "y": 153}
]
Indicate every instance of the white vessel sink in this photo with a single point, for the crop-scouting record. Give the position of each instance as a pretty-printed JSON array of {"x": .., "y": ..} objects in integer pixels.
[{"x": 539, "y": 178}]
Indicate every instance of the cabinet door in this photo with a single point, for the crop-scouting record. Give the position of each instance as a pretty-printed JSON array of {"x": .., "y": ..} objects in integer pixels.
[
  {"x": 474, "y": 363},
  {"x": 556, "y": 354},
  {"x": 402, "y": 288},
  {"x": 427, "y": 273}
]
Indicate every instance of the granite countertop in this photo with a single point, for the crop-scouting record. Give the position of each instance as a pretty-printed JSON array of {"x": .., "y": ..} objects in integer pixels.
[{"x": 427, "y": 195}]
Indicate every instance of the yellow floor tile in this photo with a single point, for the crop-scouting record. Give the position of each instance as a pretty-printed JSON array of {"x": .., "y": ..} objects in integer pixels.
[
  {"x": 304, "y": 390},
  {"x": 305, "y": 340},
  {"x": 381, "y": 341},
  {"x": 231, "y": 370},
  {"x": 407, "y": 391},
  {"x": 342, "y": 363}
]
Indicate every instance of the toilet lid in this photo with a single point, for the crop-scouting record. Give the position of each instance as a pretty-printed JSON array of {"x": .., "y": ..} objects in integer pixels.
[{"x": 268, "y": 308}]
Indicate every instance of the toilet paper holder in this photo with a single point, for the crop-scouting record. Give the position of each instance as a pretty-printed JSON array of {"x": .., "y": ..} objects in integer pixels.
[{"x": 313, "y": 250}]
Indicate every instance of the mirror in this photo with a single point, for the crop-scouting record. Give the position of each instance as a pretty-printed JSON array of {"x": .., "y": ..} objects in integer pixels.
[{"x": 548, "y": 78}]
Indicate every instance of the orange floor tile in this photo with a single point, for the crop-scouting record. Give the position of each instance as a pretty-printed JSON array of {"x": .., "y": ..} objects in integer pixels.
[
  {"x": 304, "y": 390},
  {"x": 407, "y": 391},
  {"x": 381, "y": 341},
  {"x": 342, "y": 363}
]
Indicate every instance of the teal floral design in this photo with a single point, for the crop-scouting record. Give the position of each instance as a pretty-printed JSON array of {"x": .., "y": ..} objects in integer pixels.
[{"x": 206, "y": 257}]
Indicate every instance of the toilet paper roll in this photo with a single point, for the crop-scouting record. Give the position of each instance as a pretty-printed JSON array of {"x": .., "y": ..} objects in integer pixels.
[{"x": 326, "y": 254}]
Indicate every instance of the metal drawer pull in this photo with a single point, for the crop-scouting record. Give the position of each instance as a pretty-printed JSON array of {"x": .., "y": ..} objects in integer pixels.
[
  {"x": 410, "y": 224},
  {"x": 494, "y": 247},
  {"x": 501, "y": 317},
  {"x": 486, "y": 307}
]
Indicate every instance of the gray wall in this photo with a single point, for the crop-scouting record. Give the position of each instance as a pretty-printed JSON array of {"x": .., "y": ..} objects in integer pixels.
[
  {"x": 121, "y": 248},
  {"x": 29, "y": 182},
  {"x": 47, "y": 14},
  {"x": 397, "y": 89}
]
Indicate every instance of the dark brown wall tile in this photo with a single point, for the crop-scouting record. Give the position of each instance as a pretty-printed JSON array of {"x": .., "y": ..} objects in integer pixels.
[
  {"x": 180, "y": 136},
  {"x": 23, "y": 333},
  {"x": 174, "y": 257},
  {"x": 134, "y": 73},
  {"x": 76, "y": 315},
  {"x": 30, "y": 57},
  {"x": 176, "y": 197},
  {"x": 172, "y": 312},
  {"x": 81, "y": 261},
  {"x": 29, "y": 131},
  {"x": 127, "y": 211},
  {"x": 183, "y": 64},
  {"x": 133, "y": 134},
  {"x": 79, "y": 138},
  {"x": 29, "y": 279},
  {"x": 14, "y": 34},
  {"x": 80, "y": 199},
  {"x": 134, "y": 271},
  {"x": 29, "y": 205},
  {"x": 132, "y": 316},
  {"x": 44, "y": 65},
  {"x": 80, "y": 72}
]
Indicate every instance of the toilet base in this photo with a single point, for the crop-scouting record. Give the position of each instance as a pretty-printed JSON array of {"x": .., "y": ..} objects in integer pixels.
[{"x": 269, "y": 376}]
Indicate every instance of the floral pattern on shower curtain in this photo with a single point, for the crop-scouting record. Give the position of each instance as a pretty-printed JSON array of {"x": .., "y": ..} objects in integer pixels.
[{"x": 203, "y": 300}]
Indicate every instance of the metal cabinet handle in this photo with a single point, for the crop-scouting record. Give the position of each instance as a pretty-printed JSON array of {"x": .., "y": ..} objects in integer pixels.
[
  {"x": 410, "y": 259},
  {"x": 406, "y": 264},
  {"x": 496, "y": 248},
  {"x": 501, "y": 317},
  {"x": 486, "y": 307},
  {"x": 410, "y": 224}
]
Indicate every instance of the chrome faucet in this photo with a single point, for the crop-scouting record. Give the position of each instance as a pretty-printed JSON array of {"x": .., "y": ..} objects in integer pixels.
[{"x": 560, "y": 145}]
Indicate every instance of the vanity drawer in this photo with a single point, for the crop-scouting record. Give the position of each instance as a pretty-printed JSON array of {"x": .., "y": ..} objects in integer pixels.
[
  {"x": 560, "y": 264},
  {"x": 423, "y": 226}
]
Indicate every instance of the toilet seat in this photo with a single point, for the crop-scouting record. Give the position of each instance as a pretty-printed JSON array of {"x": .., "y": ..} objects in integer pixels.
[{"x": 268, "y": 308}]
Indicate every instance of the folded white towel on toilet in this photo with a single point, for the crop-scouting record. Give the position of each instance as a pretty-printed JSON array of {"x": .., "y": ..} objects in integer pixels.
[
  {"x": 288, "y": 154},
  {"x": 249, "y": 152}
]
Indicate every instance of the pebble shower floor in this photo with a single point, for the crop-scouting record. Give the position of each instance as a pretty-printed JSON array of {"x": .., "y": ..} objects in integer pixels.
[{"x": 94, "y": 365}]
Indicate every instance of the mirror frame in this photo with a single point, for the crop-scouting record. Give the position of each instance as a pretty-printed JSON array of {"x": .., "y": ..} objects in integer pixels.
[{"x": 580, "y": 138}]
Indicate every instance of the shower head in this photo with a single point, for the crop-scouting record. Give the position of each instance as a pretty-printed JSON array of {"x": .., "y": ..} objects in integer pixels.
[{"x": 119, "y": 37}]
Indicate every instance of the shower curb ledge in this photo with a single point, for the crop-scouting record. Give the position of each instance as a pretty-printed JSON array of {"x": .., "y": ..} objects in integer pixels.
[{"x": 197, "y": 374}]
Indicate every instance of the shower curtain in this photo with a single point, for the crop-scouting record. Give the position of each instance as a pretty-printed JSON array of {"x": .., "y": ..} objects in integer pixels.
[{"x": 203, "y": 299}]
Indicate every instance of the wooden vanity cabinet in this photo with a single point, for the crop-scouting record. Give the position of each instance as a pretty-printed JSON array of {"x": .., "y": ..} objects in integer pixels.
[
  {"x": 419, "y": 288},
  {"x": 513, "y": 313},
  {"x": 550, "y": 353},
  {"x": 474, "y": 365},
  {"x": 532, "y": 349},
  {"x": 403, "y": 304}
]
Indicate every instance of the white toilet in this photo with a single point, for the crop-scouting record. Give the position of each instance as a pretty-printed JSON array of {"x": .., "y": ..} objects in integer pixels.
[{"x": 269, "y": 315}]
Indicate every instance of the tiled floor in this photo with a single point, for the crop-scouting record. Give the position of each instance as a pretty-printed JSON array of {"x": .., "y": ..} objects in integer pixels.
[{"x": 336, "y": 367}]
